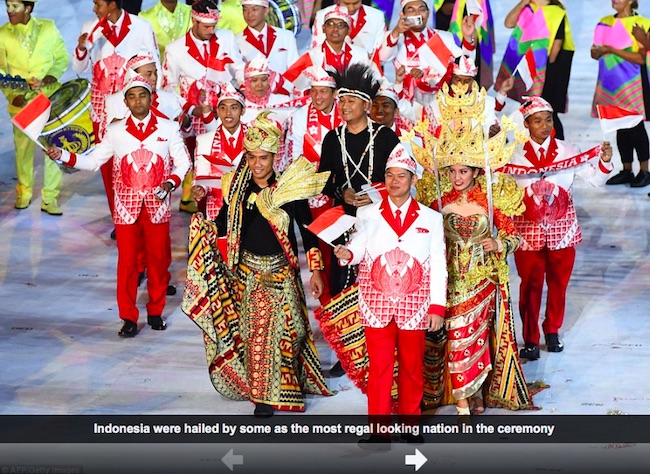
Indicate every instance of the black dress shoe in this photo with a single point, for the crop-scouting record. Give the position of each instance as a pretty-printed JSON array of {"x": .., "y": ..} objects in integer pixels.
[
  {"x": 262, "y": 410},
  {"x": 642, "y": 179},
  {"x": 530, "y": 352},
  {"x": 337, "y": 370},
  {"x": 140, "y": 278},
  {"x": 171, "y": 290},
  {"x": 156, "y": 323},
  {"x": 375, "y": 443},
  {"x": 553, "y": 343},
  {"x": 623, "y": 177},
  {"x": 113, "y": 236},
  {"x": 129, "y": 329},
  {"x": 411, "y": 438}
]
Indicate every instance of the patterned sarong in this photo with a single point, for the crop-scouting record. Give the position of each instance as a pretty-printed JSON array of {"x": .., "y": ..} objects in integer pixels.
[{"x": 258, "y": 342}]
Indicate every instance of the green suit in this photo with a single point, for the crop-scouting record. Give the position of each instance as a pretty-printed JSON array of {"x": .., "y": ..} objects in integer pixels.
[{"x": 34, "y": 50}]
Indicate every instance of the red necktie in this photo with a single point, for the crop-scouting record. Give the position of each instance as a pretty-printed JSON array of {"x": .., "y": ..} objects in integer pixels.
[
  {"x": 205, "y": 52},
  {"x": 260, "y": 38},
  {"x": 542, "y": 156},
  {"x": 231, "y": 143},
  {"x": 113, "y": 31},
  {"x": 398, "y": 218}
]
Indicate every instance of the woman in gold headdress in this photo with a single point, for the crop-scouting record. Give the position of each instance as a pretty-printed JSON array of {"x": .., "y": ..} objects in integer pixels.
[
  {"x": 257, "y": 335},
  {"x": 482, "y": 365}
]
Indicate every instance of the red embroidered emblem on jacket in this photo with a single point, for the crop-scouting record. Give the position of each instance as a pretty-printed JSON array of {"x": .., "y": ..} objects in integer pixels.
[
  {"x": 422, "y": 230},
  {"x": 400, "y": 276}
]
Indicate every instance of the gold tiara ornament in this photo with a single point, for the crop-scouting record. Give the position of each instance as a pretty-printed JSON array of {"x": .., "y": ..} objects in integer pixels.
[{"x": 461, "y": 139}]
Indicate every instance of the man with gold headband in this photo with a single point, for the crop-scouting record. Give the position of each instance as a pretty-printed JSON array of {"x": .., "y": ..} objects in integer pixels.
[
  {"x": 33, "y": 49},
  {"x": 259, "y": 343}
]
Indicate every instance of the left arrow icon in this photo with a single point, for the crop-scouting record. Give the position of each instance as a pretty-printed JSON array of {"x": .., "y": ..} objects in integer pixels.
[
  {"x": 231, "y": 460},
  {"x": 416, "y": 460}
]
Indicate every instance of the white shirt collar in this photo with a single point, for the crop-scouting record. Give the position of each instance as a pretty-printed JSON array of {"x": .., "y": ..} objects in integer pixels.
[
  {"x": 403, "y": 208},
  {"x": 545, "y": 144},
  {"x": 264, "y": 31}
]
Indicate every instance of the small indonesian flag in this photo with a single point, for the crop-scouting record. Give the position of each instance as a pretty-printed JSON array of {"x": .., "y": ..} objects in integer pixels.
[
  {"x": 437, "y": 54},
  {"x": 375, "y": 191},
  {"x": 475, "y": 11},
  {"x": 331, "y": 224},
  {"x": 527, "y": 69},
  {"x": 377, "y": 62},
  {"x": 32, "y": 119},
  {"x": 298, "y": 67},
  {"x": 614, "y": 118},
  {"x": 96, "y": 32}
]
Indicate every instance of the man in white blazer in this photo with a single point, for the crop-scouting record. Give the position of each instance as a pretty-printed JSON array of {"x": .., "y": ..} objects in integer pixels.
[
  {"x": 276, "y": 44},
  {"x": 400, "y": 247},
  {"x": 149, "y": 160},
  {"x": 366, "y": 31}
]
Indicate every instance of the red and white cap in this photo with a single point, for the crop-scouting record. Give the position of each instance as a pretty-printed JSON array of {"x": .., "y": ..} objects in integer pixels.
[
  {"x": 465, "y": 67},
  {"x": 403, "y": 3},
  {"x": 140, "y": 59},
  {"x": 318, "y": 77},
  {"x": 389, "y": 93},
  {"x": 400, "y": 158},
  {"x": 133, "y": 79},
  {"x": 211, "y": 17},
  {"x": 339, "y": 13},
  {"x": 261, "y": 3},
  {"x": 532, "y": 105},
  {"x": 228, "y": 91},
  {"x": 258, "y": 66}
]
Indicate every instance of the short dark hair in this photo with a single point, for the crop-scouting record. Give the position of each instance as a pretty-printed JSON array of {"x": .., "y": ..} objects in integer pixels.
[
  {"x": 202, "y": 6},
  {"x": 29, "y": 4}
]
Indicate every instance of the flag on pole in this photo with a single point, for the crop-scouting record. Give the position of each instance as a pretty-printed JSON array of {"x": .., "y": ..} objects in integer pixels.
[
  {"x": 475, "y": 11},
  {"x": 527, "y": 69},
  {"x": 375, "y": 191},
  {"x": 32, "y": 118},
  {"x": 614, "y": 118},
  {"x": 96, "y": 32},
  {"x": 438, "y": 54},
  {"x": 331, "y": 224}
]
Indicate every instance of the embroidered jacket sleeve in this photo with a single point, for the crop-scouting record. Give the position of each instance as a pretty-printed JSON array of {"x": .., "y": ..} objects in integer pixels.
[
  {"x": 180, "y": 158},
  {"x": 508, "y": 234},
  {"x": 94, "y": 159},
  {"x": 438, "y": 256}
]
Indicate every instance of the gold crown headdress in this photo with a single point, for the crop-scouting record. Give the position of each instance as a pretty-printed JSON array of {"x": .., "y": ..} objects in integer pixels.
[{"x": 461, "y": 138}]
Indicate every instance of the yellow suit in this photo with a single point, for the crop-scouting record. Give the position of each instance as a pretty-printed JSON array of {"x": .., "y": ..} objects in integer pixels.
[
  {"x": 34, "y": 50},
  {"x": 166, "y": 25}
]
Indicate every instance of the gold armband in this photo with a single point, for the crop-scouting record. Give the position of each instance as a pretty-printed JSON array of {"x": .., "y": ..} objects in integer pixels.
[{"x": 314, "y": 259}]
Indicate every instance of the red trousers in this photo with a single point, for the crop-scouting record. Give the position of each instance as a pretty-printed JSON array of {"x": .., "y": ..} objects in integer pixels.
[
  {"x": 381, "y": 343},
  {"x": 155, "y": 240},
  {"x": 554, "y": 266}
]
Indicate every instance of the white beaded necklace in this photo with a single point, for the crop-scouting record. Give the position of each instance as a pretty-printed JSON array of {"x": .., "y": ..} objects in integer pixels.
[{"x": 347, "y": 158}]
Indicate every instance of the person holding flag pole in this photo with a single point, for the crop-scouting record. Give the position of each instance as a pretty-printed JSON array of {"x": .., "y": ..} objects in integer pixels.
[
  {"x": 622, "y": 82},
  {"x": 33, "y": 49},
  {"x": 546, "y": 168}
]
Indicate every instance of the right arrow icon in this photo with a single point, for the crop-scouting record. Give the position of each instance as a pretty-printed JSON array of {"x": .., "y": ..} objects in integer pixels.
[{"x": 416, "y": 460}]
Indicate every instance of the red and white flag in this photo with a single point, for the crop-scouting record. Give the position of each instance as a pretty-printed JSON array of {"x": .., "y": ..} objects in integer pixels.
[
  {"x": 375, "y": 191},
  {"x": 475, "y": 11},
  {"x": 32, "y": 119},
  {"x": 331, "y": 224},
  {"x": 614, "y": 118},
  {"x": 438, "y": 54},
  {"x": 527, "y": 69}
]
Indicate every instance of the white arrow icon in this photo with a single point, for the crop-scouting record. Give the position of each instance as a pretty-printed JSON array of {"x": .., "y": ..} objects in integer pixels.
[
  {"x": 417, "y": 460},
  {"x": 231, "y": 459}
]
